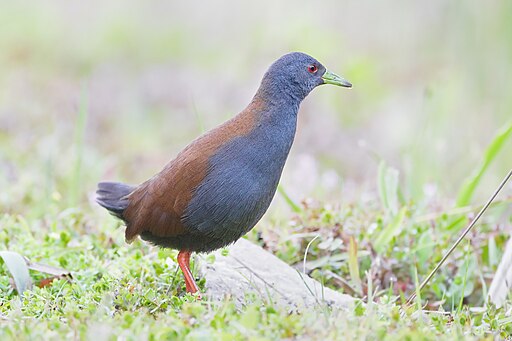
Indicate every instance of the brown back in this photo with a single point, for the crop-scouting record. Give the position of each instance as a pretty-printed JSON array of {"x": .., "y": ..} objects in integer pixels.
[{"x": 157, "y": 205}]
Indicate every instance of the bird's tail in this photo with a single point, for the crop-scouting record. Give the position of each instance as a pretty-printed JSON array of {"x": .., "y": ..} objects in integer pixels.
[{"x": 113, "y": 196}]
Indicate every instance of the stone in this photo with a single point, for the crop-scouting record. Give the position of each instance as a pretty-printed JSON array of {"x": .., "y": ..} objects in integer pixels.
[{"x": 248, "y": 269}]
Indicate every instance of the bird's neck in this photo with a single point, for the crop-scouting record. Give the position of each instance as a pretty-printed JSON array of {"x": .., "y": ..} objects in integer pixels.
[
  {"x": 279, "y": 94},
  {"x": 274, "y": 111},
  {"x": 274, "y": 123}
]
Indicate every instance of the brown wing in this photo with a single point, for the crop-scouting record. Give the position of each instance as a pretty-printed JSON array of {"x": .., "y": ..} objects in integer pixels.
[{"x": 157, "y": 205}]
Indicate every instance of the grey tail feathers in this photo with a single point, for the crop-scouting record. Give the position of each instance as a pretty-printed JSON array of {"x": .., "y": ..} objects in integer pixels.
[{"x": 113, "y": 196}]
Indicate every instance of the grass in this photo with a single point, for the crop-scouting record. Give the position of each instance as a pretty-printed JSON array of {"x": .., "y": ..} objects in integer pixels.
[
  {"x": 135, "y": 292},
  {"x": 378, "y": 186}
]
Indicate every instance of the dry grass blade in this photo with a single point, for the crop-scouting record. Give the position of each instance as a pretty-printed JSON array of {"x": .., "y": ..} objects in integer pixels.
[
  {"x": 48, "y": 269},
  {"x": 56, "y": 273},
  {"x": 18, "y": 269},
  {"x": 502, "y": 281},
  {"x": 306, "y": 253},
  {"x": 353, "y": 266}
]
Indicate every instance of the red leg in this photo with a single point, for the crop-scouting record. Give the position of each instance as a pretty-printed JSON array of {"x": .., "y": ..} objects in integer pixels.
[{"x": 184, "y": 263}]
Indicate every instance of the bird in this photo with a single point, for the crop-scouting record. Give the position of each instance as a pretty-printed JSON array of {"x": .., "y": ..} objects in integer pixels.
[{"x": 220, "y": 185}]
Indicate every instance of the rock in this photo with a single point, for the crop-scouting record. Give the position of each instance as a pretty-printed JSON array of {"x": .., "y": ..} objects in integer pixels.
[{"x": 250, "y": 269}]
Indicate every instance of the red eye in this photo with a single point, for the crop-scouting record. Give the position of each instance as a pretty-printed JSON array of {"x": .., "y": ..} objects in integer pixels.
[{"x": 312, "y": 69}]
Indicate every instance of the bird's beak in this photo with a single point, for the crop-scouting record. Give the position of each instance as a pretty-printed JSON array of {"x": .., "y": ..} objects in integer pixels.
[{"x": 332, "y": 78}]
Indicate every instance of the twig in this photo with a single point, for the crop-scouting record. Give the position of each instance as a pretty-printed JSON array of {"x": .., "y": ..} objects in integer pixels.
[{"x": 466, "y": 231}]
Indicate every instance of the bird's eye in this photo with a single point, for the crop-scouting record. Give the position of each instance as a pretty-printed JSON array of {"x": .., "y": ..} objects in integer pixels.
[{"x": 312, "y": 69}]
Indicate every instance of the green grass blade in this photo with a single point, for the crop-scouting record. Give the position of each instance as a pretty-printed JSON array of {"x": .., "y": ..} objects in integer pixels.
[
  {"x": 470, "y": 184},
  {"x": 417, "y": 289},
  {"x": 391, "y": 230},
  {"x": 295, "y": 208},
  {"x": 80, "y": 125},
  {"x": 388, "y": 187}
]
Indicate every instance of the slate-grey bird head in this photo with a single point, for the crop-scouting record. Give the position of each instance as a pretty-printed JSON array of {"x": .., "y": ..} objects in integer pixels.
[{"x": 297, "y": 74}]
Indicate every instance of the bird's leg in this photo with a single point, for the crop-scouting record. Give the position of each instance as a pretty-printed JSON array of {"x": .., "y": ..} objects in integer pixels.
[{"x": 184, "y": 263}]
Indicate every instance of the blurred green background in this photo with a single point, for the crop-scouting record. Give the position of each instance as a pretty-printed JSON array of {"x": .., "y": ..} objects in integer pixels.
[{"x": 111, "y": 90}]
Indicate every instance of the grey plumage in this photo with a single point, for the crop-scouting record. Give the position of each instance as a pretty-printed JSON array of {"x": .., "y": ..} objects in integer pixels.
[{"x": 113, "y": 197}]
